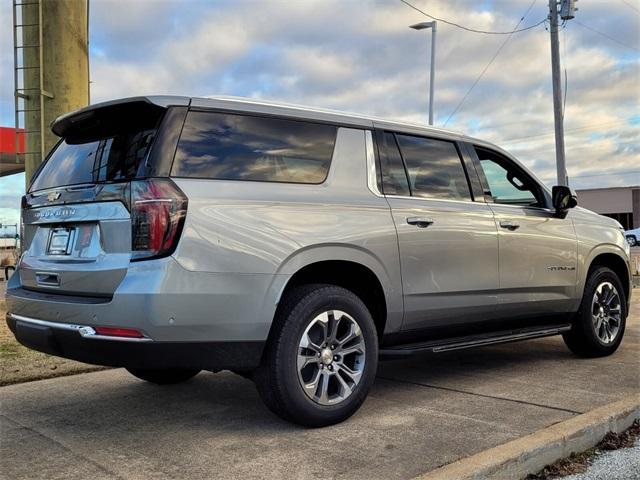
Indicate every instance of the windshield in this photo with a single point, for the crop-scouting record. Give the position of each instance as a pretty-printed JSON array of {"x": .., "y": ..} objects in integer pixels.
[{"x": 96, "y": 160}]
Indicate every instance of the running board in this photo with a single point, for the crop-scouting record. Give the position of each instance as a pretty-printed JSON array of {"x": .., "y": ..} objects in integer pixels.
[{"x": 471, "y": 341}]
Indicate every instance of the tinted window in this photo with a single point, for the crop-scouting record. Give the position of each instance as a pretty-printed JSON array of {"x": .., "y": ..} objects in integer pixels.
[
  {"x": 394, "y": 177},
  {"x": 111, "y": 158},
  {"x": 242, "y": 147},
  {"x": 507, "y": 184},
  {"x": 434, "y": 168}
]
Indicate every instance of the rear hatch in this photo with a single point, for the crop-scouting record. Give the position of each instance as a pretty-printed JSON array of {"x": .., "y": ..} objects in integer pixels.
[{"x": 92, "y": 207}]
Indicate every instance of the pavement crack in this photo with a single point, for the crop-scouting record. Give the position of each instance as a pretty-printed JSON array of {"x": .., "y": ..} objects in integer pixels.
[
  {"x": 495, "y": 397},
  {"x": 102, "y": 468}
]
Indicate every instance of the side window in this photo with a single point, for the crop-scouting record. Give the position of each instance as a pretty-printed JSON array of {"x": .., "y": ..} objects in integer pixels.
[
  {"x": 434, "y": 167},
  {"x": 394, "y": 176},
  {"x": 507, "y": 183},
  {"x": 243, "y": 147}
]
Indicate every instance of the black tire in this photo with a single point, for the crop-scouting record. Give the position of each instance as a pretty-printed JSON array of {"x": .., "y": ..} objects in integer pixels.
[
  {"x": 164, "y": 376},
  {"x": 277, "y": 379},
  {"x": 582, "y": 339},
  {"x": 632, "y": 240},
  {"x": 248, "y": 374}
]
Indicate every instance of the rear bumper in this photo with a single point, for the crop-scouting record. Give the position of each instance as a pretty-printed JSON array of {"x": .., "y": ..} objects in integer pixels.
[
  {"x": 71, "y": 341},
  {"x": 166, "y": 302}
]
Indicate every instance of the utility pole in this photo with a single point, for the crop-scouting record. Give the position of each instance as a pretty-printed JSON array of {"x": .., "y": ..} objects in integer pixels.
[
  {"x": 558, "y": 114},
  {"x": 567, "y": 12}
]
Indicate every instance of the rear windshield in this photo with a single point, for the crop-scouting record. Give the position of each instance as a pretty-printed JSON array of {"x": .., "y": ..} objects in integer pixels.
[{"x": 111, "y": 158}]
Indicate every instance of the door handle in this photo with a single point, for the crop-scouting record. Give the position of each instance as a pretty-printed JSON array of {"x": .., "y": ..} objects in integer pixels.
[
  {"x": 509, "y": 225},
  {"x": 420, "y": 222}
]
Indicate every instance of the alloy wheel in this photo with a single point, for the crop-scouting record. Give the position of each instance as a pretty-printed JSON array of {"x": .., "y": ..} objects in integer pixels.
[
  {"x": 606, "y": 312},
  {"x": 331, "y": 357}
]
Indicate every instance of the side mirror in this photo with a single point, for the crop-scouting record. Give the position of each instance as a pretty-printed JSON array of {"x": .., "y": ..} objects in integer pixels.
[{"x": 563, "y": 198}]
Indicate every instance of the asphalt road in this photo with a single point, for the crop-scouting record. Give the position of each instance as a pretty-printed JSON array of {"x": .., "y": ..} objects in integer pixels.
[{"x": 421, "y": 414}]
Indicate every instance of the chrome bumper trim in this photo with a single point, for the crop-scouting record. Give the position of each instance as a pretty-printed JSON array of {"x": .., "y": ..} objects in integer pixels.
[{"x": 84, "y": 331}]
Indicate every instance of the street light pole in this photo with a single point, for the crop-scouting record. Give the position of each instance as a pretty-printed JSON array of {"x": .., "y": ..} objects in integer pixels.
[{"x": 432, "y": 76}]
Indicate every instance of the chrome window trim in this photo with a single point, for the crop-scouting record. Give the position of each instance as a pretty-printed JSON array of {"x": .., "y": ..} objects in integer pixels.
[
  {"x": 84, "y": 331},
  {"x": 528, "y": 207},
  {"x": 372, "y": 173},
  {"x": 433, "y": 199},
  {"x": 372, "y": 178}
]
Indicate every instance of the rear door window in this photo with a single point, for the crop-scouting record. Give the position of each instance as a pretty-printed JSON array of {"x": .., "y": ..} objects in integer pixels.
[
  {"x": 394, "y": 176},
  {"x": 434, "y": 167},
  {"x": 242, "y": 147}
]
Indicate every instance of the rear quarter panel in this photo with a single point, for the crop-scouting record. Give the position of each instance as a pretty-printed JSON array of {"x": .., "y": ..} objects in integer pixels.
[{"x": 274, "y": 229}]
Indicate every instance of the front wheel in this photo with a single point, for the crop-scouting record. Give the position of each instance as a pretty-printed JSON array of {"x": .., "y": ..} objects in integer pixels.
[
  {"x": 599, "y": 324},
  {"x": 322, "y": 356},
  {"x": 164, "y": 376}
]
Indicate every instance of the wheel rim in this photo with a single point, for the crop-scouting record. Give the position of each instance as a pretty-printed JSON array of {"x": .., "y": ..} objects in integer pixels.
[
  {"x": 606, "y": 312},
  {"x": 331, "y": 357}
]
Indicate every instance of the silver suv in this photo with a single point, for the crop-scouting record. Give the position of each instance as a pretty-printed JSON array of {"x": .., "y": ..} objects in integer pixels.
[{"x": 169, "y": 235}]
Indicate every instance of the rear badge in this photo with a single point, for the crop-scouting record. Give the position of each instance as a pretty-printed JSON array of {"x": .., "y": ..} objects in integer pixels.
[{"x": 55, "y": 212}]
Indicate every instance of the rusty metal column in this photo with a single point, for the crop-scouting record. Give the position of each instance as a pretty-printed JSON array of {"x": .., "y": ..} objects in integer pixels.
[{"x": 61, "y": 84}]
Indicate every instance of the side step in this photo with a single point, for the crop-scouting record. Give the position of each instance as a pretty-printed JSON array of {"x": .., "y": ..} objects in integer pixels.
[{"x": 471, "y": 341}]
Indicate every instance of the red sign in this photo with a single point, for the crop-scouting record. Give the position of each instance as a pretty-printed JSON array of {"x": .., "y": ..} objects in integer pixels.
[{"x": 8, "y": 140}]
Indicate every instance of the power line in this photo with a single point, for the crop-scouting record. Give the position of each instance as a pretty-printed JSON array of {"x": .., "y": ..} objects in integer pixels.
[
  {"x": 606, "y": 36},
  {"x": 577, "y": 129},
  {"x": 468, "y": 29},
  {"x": 630, "y": 6},
  {"x": 488, "y": 64}
]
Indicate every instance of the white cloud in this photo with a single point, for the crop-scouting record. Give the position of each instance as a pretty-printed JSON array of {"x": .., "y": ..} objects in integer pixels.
[{"x": 360, "y": 56}]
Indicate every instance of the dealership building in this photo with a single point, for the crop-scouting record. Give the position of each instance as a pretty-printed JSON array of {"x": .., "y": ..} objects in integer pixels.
[{"x": 621, "y": 203}]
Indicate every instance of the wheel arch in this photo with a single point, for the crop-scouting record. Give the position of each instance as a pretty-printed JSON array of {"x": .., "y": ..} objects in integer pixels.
[
  {"x": 355, "y": 269},
  {"x": 614, "y": 260}
]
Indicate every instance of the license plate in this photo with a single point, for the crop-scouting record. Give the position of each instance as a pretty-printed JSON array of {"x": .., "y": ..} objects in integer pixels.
[{"x": 60, "y": 241}]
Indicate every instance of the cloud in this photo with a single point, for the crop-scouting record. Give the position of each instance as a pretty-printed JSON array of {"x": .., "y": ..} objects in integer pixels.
[{"x": 360, "y": 56}]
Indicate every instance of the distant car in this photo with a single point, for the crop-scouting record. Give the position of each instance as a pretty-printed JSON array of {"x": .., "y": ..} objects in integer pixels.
[
  {"x": 633, "y": 237},
  {"x": 294, "y": 246}
]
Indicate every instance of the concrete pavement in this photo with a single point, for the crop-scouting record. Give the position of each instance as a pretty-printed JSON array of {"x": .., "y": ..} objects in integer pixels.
[{"x": 422, "y": 413}]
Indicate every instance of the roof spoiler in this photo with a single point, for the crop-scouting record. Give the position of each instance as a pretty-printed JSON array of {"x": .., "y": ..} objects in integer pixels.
[{"x": 112, "y": 114}]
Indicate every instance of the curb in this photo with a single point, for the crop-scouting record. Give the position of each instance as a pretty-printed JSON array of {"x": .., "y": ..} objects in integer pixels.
[{"x": 530, "y": 454}]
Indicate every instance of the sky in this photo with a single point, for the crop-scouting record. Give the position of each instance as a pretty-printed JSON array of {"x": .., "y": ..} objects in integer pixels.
[{"x": 360, "y": 56}]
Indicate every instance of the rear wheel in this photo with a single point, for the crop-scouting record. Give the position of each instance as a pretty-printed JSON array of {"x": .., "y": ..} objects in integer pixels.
[
  {"x": 164, "y": 376},
  {"x": 599, "y": 324},
  {"x": 322, "y": 356}
]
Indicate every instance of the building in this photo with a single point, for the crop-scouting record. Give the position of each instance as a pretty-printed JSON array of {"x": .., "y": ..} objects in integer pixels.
[{"x": 621, "y": 203}]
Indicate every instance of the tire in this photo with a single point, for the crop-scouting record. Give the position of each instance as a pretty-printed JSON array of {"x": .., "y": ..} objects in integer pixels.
[
  {"x": 585, "y": 338},
  {"x": 164, "y": 376},
  {"x": 298, "y": 337},
  {"x": 632, "y": 240}
]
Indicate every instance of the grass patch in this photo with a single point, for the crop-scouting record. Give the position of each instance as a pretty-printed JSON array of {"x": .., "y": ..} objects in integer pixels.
[{"x": 20, "y": 364}]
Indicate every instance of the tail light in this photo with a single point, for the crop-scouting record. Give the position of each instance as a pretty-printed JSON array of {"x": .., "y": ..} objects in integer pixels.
[{"x": 158, "y": 210}]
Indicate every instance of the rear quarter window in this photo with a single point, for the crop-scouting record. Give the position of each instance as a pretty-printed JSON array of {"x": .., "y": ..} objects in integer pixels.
[{"x": 243, "y": 147}]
